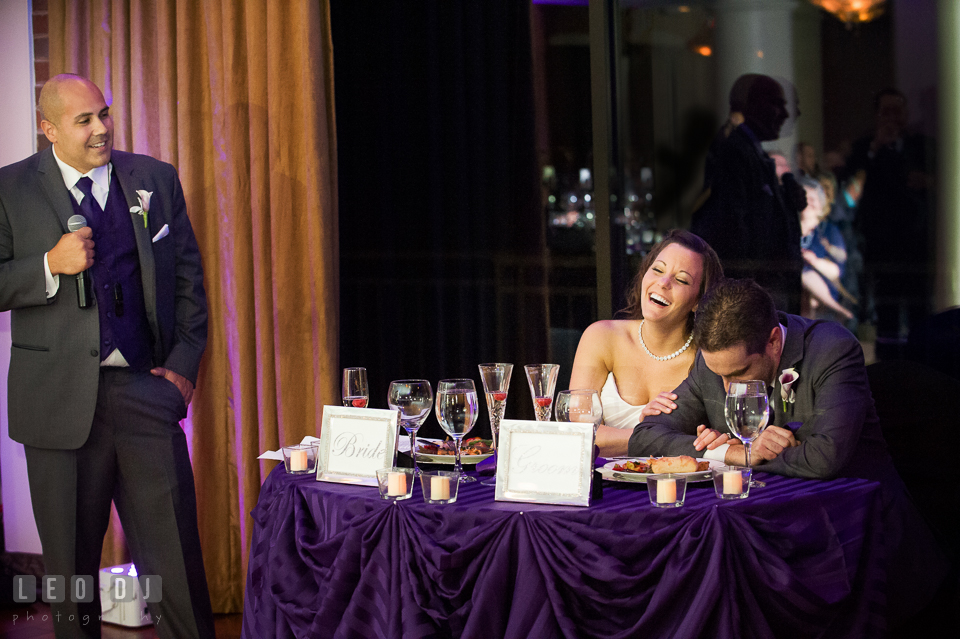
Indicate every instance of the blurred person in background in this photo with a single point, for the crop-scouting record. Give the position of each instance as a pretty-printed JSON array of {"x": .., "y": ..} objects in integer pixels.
[
  {"x": 894, "y": 218},
  {"x": 744, "y": 212},
  {"x": 781, "y": 164},
  {"x": 824, "y": 255}
]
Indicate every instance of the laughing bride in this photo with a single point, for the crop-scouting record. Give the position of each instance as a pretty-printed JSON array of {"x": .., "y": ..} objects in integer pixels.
[{"x": 635, "y": 363}]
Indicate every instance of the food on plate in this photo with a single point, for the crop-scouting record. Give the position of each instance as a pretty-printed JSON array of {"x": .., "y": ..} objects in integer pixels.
[
  {"x": 682, "y": 464},
  {"x": 472, "y": 446},
  {"x": 636, "y": 466}
]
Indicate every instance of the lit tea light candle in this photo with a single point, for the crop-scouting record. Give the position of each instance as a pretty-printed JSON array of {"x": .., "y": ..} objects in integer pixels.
[
  {"x": 298, "y": 460},
  {"x": 396, "y": 484},
  {"x": 732, "y": 482},
  {"x": 439, "y": 488},
  {"x": 666, "y": 491}
]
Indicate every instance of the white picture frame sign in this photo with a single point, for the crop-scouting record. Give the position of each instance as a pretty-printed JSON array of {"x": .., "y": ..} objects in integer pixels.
[
  {"x": 545, "y": 462},
  {"x": 355, "y": 443}
]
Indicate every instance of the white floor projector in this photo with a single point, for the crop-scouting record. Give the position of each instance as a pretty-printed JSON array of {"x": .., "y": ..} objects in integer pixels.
[{"x": 120, "y": 582}]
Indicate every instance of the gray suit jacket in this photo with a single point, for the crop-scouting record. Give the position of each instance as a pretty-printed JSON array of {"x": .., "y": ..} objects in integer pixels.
[
  {"x": 54, "y": 363},
  {"x": 833, "y": 416}
]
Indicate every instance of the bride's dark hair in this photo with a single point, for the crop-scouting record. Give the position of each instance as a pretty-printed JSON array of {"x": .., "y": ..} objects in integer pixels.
[{"x": 712, "y": 270}]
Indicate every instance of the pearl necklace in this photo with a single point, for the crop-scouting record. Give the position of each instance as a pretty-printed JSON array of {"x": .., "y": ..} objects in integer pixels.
[{"x": 664, "y": 357}]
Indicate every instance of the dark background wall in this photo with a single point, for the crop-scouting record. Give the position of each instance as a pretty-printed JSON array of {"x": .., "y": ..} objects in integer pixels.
[{"x": 442, "y": 249}]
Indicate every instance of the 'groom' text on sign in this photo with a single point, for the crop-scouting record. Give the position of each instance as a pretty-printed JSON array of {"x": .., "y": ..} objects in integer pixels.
[
  {"x": 553, "y": 460},
  {"x": 545, "y": 462}
]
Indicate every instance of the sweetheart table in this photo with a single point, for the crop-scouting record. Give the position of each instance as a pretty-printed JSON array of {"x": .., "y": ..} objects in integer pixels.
[{"x": 799, "y": 558}]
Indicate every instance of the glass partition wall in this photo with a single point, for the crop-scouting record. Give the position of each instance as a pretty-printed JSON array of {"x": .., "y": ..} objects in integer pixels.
[
  {"x": 624, "y": 166},
  {"x": 504, "y": 167}
]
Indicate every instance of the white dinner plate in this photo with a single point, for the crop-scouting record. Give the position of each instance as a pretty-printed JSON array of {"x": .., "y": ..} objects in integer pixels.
[
  {"x": 607, "y": 472},
  {"x": 445, "y": 459},
  {"x": 451, "y": 459}
]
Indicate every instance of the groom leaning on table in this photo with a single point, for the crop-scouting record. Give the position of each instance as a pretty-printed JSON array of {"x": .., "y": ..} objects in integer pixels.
[
  {"x": 97, "y": 389},
  {"x": 823, "y": 423}
]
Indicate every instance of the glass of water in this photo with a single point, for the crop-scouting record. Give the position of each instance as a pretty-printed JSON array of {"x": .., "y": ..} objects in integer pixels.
[
  {"x": 747, "y": 411},
  {"x": 457, "y": 411}
]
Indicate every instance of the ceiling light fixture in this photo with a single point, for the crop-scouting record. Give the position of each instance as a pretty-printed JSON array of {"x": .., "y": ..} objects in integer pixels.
[{"x": 853, "y": 11}]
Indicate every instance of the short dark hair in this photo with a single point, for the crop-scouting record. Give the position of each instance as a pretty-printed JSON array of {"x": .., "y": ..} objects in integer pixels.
[
  {"x": 712, "y": 269},
  {"x": 735, "y": 312},
  {"x": 883, "y": 93}
]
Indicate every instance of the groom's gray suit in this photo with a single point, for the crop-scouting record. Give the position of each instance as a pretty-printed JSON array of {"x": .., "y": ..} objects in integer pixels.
[
  {"x": 833, "y": 414},
  {"x": 834, "y": 420},
  {"x": 93, "y": 433}
]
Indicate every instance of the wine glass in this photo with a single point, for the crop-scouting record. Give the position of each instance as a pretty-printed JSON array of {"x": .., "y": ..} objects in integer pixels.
[
  {"x": 413, "y": 398},
  {"x": 747, "y": 411},
  {"x": 457, "y": 412},
  {"x": 579, "y": 405},
  {"x": 354, "y": 391},
  {"x": 542, "y": 379},
  {"x": 496, "y": 385}
]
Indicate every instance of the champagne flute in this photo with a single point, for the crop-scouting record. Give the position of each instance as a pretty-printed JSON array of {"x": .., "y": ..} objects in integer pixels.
[
  {"x": 747, "y": 411},
  {"x": 542, "y": 379},
  {"x": 413, "y": 398},
  {"x": 579, "y": 405},
  {"x": 354, "y": 391},
  {"x": 496, "y": 385},
  {"x": 457, "y": 412}
]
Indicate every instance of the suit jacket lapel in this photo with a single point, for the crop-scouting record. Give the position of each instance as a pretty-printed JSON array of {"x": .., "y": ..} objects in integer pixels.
[
  {"x": 791, "y": 357},
  {"x": 130, "y": 182},
  {"x": 54, "y": 190}
]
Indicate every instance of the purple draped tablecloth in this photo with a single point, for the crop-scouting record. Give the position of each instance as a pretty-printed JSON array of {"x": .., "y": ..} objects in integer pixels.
[{"x": 799, "y": 558}]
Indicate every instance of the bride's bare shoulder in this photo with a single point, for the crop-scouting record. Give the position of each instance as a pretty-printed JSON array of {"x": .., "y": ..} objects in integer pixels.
[{"x": 610, "y": 330}]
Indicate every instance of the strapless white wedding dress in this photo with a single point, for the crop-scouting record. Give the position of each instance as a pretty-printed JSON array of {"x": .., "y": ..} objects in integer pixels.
[{"x": 616, "y": 412}]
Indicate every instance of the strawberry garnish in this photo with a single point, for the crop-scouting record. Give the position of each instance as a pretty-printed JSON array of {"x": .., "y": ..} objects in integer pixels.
[
  {"x": 543, "y": 402},
  {"x": 360, "y": 403},
  {"x": 499, "y": 396}
]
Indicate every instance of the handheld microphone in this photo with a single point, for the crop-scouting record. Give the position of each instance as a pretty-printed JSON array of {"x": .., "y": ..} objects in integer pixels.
[{"x": 75, "y": 223}]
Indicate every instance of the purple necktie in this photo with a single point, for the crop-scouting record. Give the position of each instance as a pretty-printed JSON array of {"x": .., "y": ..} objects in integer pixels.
[{"x": 89, "y": 205}]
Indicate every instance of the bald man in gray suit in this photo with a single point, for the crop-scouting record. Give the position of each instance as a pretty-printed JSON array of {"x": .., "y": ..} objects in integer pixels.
[{"x": 98, "y": 383}]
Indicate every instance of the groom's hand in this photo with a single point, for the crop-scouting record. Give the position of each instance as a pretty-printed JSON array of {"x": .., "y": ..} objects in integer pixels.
[
  {"x": 771, "y": 442},
  {"x": 709, "y": 438}
]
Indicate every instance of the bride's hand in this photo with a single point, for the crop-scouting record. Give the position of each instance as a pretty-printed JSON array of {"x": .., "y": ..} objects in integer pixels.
[{"x": 662, "y": 403}]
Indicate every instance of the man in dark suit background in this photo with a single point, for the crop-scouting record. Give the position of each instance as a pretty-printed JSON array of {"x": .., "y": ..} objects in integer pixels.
[
  {"x": 895, "y": 221},
  {"x": 749, "y": 218},
  {"x": 96, "y": 394}
]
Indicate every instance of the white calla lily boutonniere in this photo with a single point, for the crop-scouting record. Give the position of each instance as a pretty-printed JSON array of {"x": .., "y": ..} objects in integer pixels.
[
  {"x": 787, "y": 379},
  {"x": 144, "y": 209}
]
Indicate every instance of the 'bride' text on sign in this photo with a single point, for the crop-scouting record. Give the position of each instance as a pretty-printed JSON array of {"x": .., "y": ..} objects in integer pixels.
[
  {"x": 355, "y": 443},
  {"x": 352, "y": 444}
]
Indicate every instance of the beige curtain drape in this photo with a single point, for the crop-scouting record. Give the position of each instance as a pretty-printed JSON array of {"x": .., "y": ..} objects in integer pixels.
[{"x": 238, "y": 95}]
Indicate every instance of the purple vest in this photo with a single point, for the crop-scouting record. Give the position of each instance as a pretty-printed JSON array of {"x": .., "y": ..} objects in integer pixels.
[{"x": 116, "y": 282}]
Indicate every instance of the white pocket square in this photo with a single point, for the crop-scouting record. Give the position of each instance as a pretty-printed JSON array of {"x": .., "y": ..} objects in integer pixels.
[{"x": 162, "y": 233}]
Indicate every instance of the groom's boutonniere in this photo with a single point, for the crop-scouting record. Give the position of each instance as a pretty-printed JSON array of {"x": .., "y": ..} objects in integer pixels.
[
  {"x": 144, "y": 208},
  {"x": 787, "y": 378}
]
